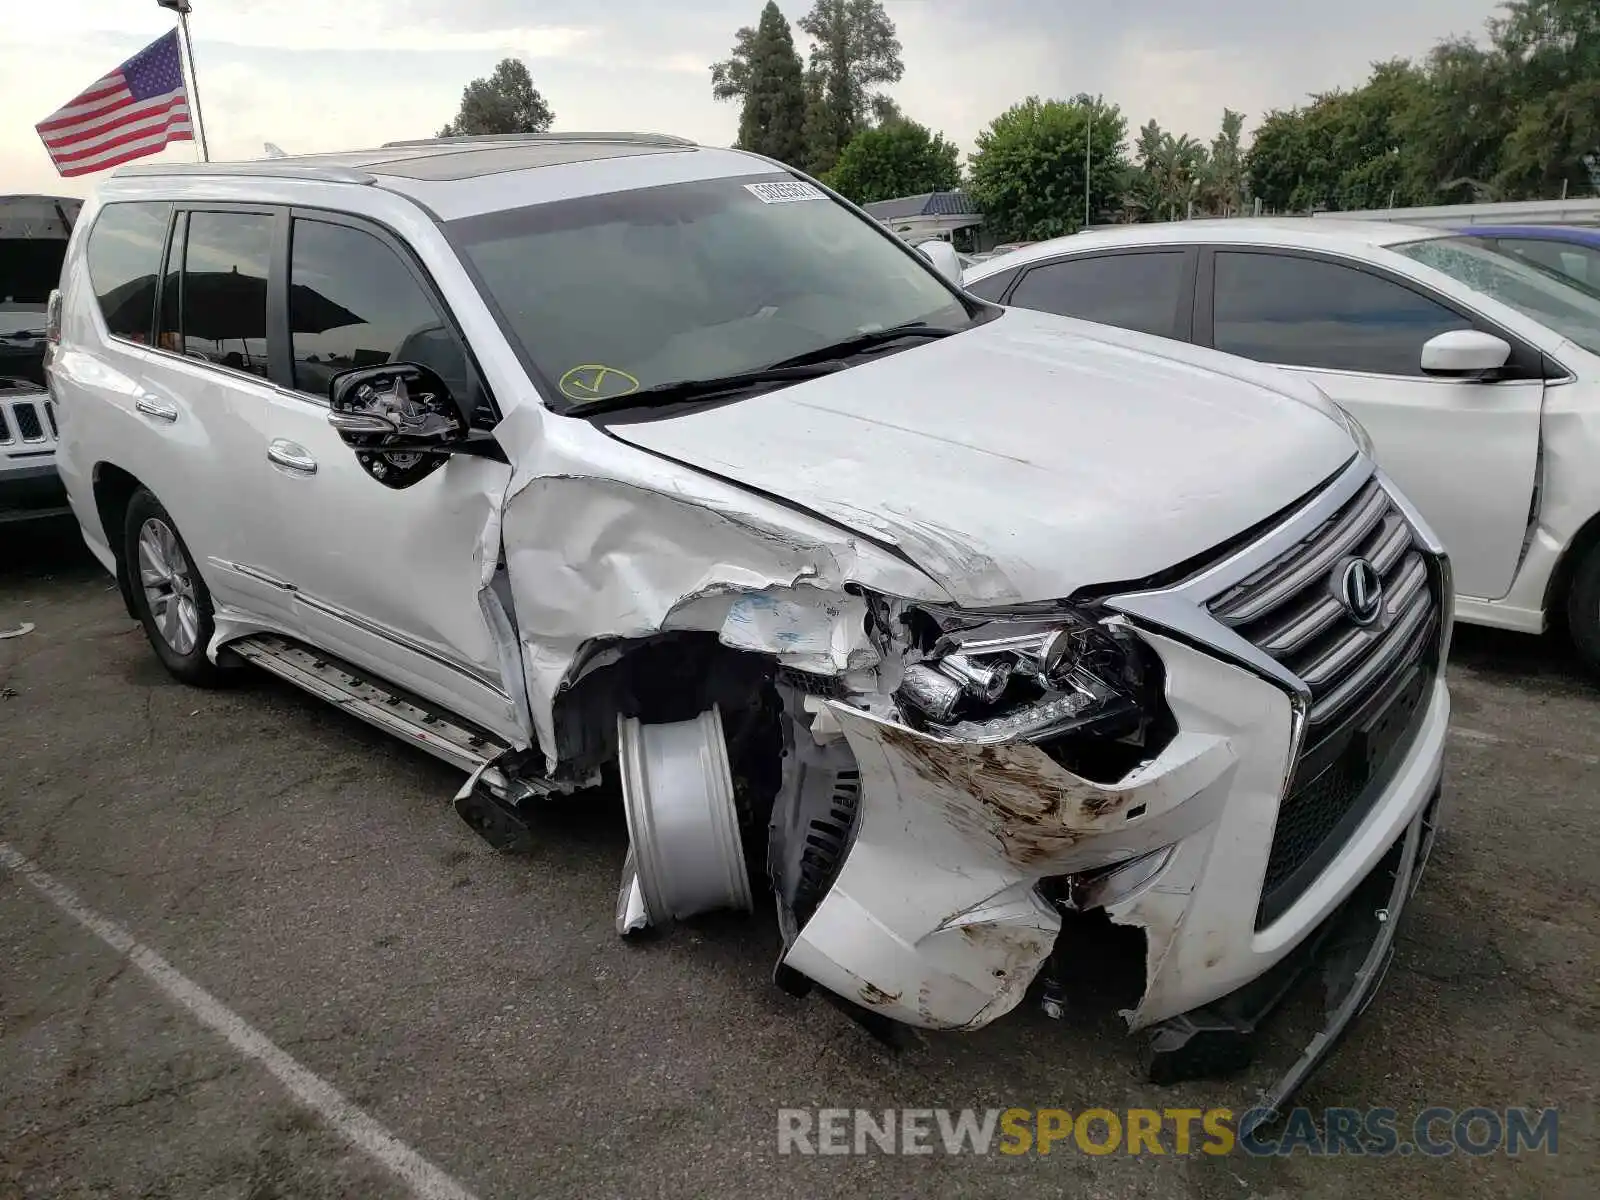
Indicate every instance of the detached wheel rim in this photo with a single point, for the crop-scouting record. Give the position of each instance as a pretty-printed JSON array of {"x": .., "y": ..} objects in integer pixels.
[{"x": 168, "y": 586}]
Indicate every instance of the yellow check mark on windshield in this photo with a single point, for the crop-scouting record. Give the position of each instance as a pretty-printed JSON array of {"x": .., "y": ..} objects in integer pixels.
[{"x": 590, "y": 381}]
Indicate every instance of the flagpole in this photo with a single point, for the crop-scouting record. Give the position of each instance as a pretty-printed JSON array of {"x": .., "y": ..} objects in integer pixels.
[{"x": 182, "y": 8}]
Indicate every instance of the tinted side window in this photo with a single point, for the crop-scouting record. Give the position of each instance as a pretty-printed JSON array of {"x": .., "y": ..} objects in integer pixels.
[
  {"x": 353, "y": 303},
  {"x": 1134, "y": 291},
  {"x": 224, "y": 302},
  {"x": 124, "y": 255},
  {"x": 994, "y": 286},
  {"x": 1308, "y": 313}
]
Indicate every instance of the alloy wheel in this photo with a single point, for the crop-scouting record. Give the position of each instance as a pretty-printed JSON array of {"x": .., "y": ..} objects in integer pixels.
[{"x": 168, "y": 586}]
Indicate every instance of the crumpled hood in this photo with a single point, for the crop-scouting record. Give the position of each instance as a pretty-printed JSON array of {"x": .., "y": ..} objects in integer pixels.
[{"x": 1028, "y": 457}]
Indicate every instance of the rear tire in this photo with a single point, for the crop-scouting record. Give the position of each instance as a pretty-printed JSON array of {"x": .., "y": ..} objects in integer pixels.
[
  {"x": 1583, "y": 609},
  {"x": 170, "y": 598}
]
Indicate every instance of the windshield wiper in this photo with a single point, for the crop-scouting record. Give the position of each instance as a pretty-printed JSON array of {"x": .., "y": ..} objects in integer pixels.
[
  {"x": 706, "y": 389},
  {"x": 869, "y": 340},
  {"x": 813, "y": 363}
]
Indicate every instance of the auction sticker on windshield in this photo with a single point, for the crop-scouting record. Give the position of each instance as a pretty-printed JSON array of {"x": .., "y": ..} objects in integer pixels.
[{"x": 784, "y": 193}]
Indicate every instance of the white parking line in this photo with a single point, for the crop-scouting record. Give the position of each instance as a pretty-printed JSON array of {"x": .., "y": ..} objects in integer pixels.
[{"x": 425, "y": 1179}]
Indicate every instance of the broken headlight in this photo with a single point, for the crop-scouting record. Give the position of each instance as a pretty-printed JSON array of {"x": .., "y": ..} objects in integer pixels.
[{"x": 1029, "y": 676}]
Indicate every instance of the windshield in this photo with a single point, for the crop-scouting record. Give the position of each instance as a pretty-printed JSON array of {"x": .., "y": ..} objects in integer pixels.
[
  {"x": 1563, "y": 307},
  {"x": 611, "y": 294}
]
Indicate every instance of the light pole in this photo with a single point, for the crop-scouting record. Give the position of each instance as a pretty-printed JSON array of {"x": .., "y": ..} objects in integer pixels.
[{"x": 1088, "y": 162}]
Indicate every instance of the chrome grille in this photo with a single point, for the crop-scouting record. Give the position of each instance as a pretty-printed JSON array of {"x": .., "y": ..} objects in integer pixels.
[
  {"x": 1368, "y": 683},
  {"x": 29, "y": 421},
  {"x": 1292, "y": 610}
]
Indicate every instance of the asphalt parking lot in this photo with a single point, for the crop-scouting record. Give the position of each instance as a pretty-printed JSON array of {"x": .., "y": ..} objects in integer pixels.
[{"x": 310, "y": 876}]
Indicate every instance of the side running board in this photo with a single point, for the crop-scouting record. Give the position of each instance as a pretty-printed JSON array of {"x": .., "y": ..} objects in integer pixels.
[{"x": 394, "y": 712}]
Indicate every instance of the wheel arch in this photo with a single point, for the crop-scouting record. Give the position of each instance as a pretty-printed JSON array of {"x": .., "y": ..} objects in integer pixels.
[
  {"x": 1575, "y": 551},
  {"x": 113, "y": 491},
  {"x": 659, "y": 677}
]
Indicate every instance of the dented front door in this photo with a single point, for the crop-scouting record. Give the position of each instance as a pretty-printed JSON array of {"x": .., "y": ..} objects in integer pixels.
[{"x": 387, "y": 578}]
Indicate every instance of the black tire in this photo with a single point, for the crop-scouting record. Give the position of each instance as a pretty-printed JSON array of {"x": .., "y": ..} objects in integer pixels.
[
  {"x": 179, "y": 629},
  {"x": 1583, "y": 608}
]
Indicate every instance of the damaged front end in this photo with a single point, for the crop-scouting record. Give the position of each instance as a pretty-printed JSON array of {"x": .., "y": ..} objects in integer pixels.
[
  {"x": 1049, "y": 773},
  {"x": 940, "y": 791},
  {"x": 910, "y": 836},
  {"x": 940, "y": 796}
]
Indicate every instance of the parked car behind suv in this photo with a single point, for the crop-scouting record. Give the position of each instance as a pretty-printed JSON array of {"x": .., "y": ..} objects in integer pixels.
[
  {"x": 33, "y": 241},
  {"x": 574, "y": 455},
  {"x": 1477, "y": 375}
]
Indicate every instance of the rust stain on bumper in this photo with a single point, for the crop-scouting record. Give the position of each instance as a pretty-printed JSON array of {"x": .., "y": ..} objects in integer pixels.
[
  {"x": 1014, "y": 795},
  {"x": 874, "y": 996}
]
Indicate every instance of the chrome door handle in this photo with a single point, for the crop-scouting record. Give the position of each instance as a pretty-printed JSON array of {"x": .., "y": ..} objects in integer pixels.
[
  {"x": 155, "y": 406},
  {"x": 291, "y": 457}
]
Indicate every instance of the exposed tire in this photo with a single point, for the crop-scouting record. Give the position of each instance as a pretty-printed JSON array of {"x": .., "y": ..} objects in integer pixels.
[
  {"x": 169, "y": 596},
  {"x": 1583, "y": 608}
]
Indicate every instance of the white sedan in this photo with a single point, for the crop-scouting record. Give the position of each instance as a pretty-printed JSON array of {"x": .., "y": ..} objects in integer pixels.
[{"x": 1477, "y": 376}]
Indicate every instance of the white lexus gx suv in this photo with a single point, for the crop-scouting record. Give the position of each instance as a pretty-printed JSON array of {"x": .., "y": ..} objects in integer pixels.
[{"x": 973, "y": 634}]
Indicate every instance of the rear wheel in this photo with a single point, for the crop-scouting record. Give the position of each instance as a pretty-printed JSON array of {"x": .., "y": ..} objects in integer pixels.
[
  {"x": 169, "y": 597},
  {"x": 1583, "y": 608}
]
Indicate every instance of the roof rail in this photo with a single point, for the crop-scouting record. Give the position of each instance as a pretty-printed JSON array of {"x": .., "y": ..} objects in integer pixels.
[
  {"x": 272, "y": 168},
  {"x": 643, "y": 139}
]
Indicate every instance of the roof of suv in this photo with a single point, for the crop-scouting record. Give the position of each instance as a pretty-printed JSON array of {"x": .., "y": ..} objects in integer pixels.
[
  {"x": 460, "y": 176},
  {"x": 1265, "y": 231}
]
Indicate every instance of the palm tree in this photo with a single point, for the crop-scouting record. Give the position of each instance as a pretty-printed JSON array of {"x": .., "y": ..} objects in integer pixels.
[
  {"x": 1224, "y": 184},
  {"x": 1177, "y": 165}
]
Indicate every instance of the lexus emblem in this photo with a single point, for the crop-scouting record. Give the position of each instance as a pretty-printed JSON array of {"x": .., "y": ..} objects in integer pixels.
[{"x": 1361, "y": 591}]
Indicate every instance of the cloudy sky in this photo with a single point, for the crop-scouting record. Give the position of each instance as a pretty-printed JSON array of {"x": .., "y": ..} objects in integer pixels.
[{"x": 332, "y": 74}]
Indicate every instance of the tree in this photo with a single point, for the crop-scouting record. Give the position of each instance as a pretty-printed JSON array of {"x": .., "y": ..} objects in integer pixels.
[
  {"x": 885, "y": 111},
  {"x": 1516, "y": 119},
  {"x": 821, "y": 153},
  {"x": 900, "y": 158},
  {"x": 1344, "y": 149},
  {"x": 1141, "y": 193},
  {"x": 1223, "y": 187},
  {"x": 1551, "y": 50},
  {"x": 854, "y": 51},
  {"x": 730, "y": 78},
  {"x": 1276, "y": 162},
  {"x": 765, "y": 73},
  {"x": 1175, "y": 169},
  {"x": 1463, "y": 117},
  {"x": 1028, "y": 172},
  {"x": 505, "y": 102}
]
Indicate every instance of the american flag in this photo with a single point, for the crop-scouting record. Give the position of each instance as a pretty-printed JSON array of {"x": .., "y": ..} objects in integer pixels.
[{"x": 136, "y": 110}]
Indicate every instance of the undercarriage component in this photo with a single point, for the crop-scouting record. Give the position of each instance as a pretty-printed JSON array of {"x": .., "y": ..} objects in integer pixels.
[
  {"x": 686, "y": 854},
  {"x": 495, "y": 820}
]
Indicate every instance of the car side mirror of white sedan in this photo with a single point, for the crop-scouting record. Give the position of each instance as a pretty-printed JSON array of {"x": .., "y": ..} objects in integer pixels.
[
  {"x": 1464, "y": 354},
  {"x": 944, "y": 258}
]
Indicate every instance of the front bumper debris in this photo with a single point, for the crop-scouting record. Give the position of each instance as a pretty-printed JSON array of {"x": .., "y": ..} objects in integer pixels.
[
  {"x": 1353, "y": 948},
  {"x": 936, "y": 918}
]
